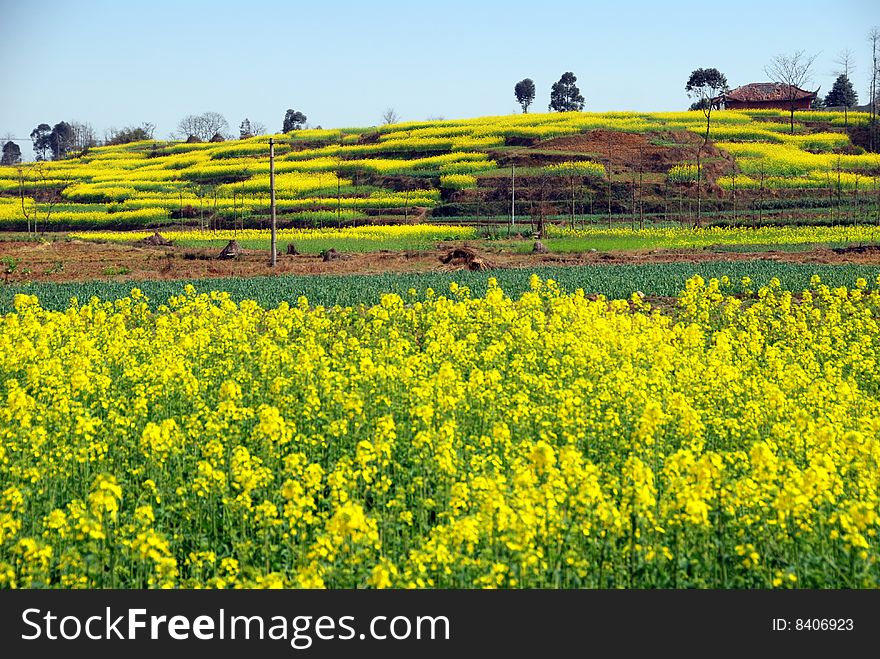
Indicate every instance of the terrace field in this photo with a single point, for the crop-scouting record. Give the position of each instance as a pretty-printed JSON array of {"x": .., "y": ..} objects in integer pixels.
[{"x": 583, "y": 167}]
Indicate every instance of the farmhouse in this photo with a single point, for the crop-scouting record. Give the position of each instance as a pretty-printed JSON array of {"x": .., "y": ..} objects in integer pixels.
[{"x": 760, "y": 95}]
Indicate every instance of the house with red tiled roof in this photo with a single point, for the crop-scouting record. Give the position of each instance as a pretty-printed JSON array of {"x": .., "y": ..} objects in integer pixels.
[{"x": 763, "y": 95}]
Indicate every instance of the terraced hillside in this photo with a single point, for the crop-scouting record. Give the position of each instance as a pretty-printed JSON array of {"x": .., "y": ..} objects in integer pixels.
[{"x": 578, "y": 163}]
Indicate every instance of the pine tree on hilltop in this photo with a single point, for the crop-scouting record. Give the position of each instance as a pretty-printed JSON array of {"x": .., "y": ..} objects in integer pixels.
[
  {"x": 842, "y": 94},
  {"x": 565, "y": 96}
]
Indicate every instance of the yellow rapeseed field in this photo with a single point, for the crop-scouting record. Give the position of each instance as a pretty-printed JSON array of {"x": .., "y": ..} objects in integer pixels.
[
  {"x": 444, "y": 440},
  {"x": 366, "y": 233}
]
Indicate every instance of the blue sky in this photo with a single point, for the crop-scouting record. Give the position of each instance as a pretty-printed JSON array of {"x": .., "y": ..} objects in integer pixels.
[{"x": 342, "y": 64}]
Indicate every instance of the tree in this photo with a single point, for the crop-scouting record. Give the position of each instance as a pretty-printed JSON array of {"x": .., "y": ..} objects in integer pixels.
[
  {"x": 215, "y": 125},
  {"x": 245, "y": 130},
  {"x": 61, "y": 139},
  {"x": 249, "y": 128},
  {"x": 42, "y": 197},
  {"x": 874, "y": 38},
  {"x": 390, "y": 117},
  {"x": 293, "y": 120},
  {"x": 792, "y": 71},
  {"x": 83, "y": 137},
  {"x": 565, "y": 96},
  {"x": 203, "y": 126},
  {"x": 703, "y": 86},
  {"x": 11, "y": 154},
  {"x": 698, "y": 105},
  {"x": 130, "y": 134},
  {"x": 189, "y": 127},
  {"x": 40, "y": 140},
  {"x": 842, "y": 94},
  {"x": 524, "y": 91},
  {"x": 848, "y": 98}
]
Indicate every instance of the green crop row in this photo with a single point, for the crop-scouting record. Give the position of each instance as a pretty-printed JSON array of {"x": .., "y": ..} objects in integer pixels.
[{"x": 613, "y": 281}]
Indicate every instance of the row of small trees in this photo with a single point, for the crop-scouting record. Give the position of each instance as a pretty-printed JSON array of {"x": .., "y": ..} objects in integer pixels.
[
  {"x": 68, "y": 138},
  {"x": 213, "y": 127},
  {"x": 61, "y": 139}
]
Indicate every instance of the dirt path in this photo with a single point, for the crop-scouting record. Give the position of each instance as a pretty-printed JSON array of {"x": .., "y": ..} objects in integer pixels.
[{"x": 84, "y": 261}]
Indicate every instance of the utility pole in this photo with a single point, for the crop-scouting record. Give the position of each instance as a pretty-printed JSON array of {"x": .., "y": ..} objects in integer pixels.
[
  {"x": 610, "y": 185},
  {"x": 512, "y": 195},
  {"x": 641, "y": 190},
  {"x": 272, "y": 200}
]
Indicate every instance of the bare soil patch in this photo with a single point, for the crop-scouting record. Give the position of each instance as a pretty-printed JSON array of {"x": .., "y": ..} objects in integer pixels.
[
  {"x": 857, "y": 249},
  {"x": 86, "y": 261},
  {"x": 625, "y": 150}
]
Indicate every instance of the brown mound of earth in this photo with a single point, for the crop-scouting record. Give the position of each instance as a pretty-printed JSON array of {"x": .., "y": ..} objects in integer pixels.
[
  {"x": 857, "y": 249},
  {"x": 231, "y": 251},
  {"x": 465, "y": 257},
  {"x": 332, "y": 255},
  {"x": 156, "y": 240}
]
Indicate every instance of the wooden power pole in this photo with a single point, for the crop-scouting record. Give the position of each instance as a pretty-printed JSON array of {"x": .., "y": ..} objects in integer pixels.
[
  {"x": 272, "y": 200},
  {"x": 512, "y": 195}
]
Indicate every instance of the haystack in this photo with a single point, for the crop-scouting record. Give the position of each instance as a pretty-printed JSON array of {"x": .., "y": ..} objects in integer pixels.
[{"x": 231, "y": 250}]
